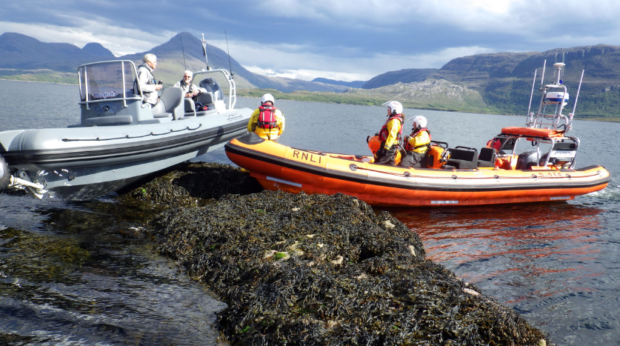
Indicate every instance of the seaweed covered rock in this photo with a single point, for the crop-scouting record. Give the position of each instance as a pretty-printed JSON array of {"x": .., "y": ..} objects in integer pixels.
[
  {"x": 191, "y": 184},
  {"x": 325, "y": 270}
]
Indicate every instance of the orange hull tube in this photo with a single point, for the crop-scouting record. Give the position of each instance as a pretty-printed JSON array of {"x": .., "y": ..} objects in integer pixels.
[{"x": 278, "y": 167}]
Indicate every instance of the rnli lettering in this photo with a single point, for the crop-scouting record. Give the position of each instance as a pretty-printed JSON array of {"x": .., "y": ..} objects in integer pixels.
[{"x": 306, "y": 156}]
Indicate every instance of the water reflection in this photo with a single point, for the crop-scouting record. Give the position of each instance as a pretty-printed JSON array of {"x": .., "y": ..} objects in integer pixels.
[{"x": 530, "y": 240}]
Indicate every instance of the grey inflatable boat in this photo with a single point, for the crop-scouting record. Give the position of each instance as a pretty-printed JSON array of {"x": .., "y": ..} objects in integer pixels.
[{"x": 119, "y": 138}]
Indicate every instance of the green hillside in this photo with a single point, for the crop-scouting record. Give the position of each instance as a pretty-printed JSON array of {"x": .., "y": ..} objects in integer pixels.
[
  {"x": 504, "y": 80},
  {"x": 432, "y": 94}
]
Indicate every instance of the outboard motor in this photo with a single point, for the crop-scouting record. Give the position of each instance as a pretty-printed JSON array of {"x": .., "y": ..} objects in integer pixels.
[
  {"x": 527, "y": 159},
  {"x": 212, "y": 87},
  {"x": 5, "y": 174}
]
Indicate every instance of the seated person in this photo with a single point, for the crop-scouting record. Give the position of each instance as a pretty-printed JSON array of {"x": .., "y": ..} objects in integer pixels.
[
  {"x": 417, "y": 144},
  {"x": 189, "y": 90}
]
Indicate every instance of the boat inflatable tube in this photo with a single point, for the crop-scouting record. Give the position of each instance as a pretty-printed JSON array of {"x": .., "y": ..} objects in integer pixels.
[{"x": 5, "y": 174}]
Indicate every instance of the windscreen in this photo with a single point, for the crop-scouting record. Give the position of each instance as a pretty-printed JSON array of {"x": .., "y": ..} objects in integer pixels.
[{"x": 105, "y": 80}]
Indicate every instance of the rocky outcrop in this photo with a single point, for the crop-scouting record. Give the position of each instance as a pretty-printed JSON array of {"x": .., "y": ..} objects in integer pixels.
[{"x": 316, "y": 270}]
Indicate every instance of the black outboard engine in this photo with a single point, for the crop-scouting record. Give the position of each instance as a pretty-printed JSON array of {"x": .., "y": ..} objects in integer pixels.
[
  {"x": 5, "y": 174},
  {"x": 213, "y": 87},
  {"x": 527, "y": 159}
]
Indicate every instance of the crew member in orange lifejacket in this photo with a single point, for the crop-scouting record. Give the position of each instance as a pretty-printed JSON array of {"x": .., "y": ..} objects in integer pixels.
[
  {"x": 417, "y": 144},
  {"x": 267, "y": 121},
  {"x": 390, "y": 134}
]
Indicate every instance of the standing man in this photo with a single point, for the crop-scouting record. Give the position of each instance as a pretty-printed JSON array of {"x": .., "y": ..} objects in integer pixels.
[
  {"x": 390, "y": 134},
  {"x": 267, "y": 121},
  {"x": 146, "y": 80}
]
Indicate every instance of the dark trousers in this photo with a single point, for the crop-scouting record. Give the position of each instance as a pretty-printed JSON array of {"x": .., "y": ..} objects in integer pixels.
[
  {"x": 386, "y": 157},
  {"x": 414, "y": 160}
]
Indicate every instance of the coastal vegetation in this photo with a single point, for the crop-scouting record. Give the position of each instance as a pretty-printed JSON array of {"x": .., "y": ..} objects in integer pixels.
[
  {"x": 43, "y": 76},
  {"x": 433, "y": 94}
]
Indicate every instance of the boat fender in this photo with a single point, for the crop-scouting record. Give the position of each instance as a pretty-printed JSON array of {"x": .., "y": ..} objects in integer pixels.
[{"x": 5, "y": 174}]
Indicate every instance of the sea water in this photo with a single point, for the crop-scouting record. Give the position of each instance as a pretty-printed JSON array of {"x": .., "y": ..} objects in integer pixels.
[{"x": 556, "y": 264}]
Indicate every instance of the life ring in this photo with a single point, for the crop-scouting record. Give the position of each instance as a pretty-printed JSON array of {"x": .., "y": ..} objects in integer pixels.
[{"x": 5, "y": 174}]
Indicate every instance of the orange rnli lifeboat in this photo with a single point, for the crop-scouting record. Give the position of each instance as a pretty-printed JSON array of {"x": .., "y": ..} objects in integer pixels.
[
  {"x": 535, "y": 163},
  {"x": 455, "y": 182}
]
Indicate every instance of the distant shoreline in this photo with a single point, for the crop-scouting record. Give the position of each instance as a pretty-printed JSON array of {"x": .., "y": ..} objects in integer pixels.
[
  {"x": 336, "y": 98},
  {"x": 320, "y": 98}
]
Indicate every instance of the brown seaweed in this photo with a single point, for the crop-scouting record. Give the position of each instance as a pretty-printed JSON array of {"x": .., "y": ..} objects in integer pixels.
[{"x": 317, "y": 270}]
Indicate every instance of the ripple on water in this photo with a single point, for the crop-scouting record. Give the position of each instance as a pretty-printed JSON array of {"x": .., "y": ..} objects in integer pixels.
[
  {"x": 77, "y": 277},
  {"x": 550, "y": 262}
]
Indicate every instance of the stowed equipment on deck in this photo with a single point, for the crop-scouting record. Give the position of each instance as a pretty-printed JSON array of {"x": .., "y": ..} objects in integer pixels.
[{"x": 545, "y": 129}]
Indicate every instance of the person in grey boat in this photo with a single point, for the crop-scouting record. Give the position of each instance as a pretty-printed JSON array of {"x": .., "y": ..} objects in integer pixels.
[
  {"x": 189, "y": 90},
  {"x": 147, "y": 81}
]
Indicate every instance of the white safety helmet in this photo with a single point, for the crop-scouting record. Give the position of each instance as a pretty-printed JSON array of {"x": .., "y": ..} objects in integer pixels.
[
  {"x": 394, "y": 107},
  {"x": 419, "y": 122},
  {"x": 267, "y": 98}
]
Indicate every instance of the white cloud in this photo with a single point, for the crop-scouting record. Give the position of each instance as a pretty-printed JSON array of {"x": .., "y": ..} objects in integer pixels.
[
  {"x": 346, "y": 69},
  {"x": 119, "y": 40},
  {"x": 532, "y": 18},
  {"x": 310, "y": 74}
]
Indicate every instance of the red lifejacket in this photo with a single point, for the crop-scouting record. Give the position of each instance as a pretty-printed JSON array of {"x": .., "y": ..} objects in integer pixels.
[
  {"x": 494, "y": 143},
  {"x": 383, "y": 134},
  {"x": 267, "y": 118},
  {"x": 408, "y": 146}
]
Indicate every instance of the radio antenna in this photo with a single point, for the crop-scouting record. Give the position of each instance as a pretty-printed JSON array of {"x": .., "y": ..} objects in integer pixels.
[
  {"x": 204, "y": 51},
  {"x": 229, "y": 61},
  {"x": 183, "y": 49}
]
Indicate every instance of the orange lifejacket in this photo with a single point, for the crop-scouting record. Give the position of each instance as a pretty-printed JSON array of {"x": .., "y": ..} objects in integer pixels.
[
  {"x": 408, "y": 146},
  {"x": 383, "y": 134},
  {"x": 267, "y": 118}
]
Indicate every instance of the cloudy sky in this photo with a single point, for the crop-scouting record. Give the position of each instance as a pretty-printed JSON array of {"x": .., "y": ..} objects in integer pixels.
[{"x": 338, "y": 39}]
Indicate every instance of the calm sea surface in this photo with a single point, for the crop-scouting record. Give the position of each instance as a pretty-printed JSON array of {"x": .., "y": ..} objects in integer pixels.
[{"x": 556, "y": 264}]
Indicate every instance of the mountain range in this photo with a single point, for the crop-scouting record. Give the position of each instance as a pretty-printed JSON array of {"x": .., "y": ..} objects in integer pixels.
[
  {"x": 352, "y": 84},
  {"x": 21, "y": 54},
  {"x": 496, "y": 82}
]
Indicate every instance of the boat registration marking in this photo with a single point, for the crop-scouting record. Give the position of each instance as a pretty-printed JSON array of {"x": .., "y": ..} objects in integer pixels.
[
  {"x": 567, "y": 154},
  {"x": 283, "y": 181},
  {"x": 444, "y": 202},
  {"x": 559, "y": 198},
  {"x": 233, "y": 116}
]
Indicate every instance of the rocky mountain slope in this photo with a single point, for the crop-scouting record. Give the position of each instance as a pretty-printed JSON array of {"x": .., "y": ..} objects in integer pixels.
[
  {"x": 431, "y": 93},
  {"x": 504, "y": 80},
  {"x": 21, "y": 55}
]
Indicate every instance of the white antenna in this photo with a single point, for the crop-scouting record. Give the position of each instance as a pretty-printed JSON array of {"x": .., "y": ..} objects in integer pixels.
[
  {"x": 542, "y": 76},
  {"x": 529, "y": 107},
  {"x": 204, "y": 51},
  {"x": 571, "y": 115}
]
